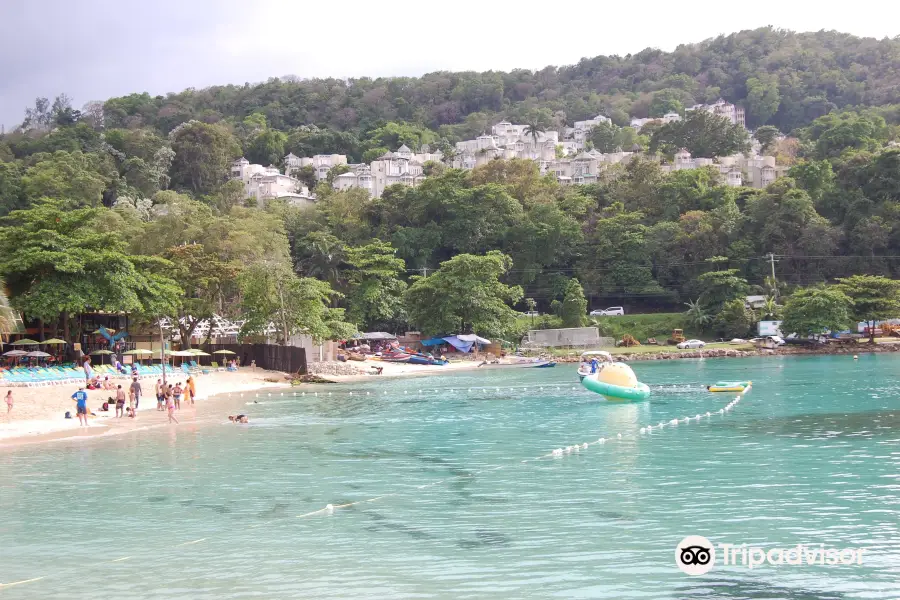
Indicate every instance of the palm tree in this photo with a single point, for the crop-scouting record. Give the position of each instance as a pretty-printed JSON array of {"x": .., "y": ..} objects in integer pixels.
[
  {"x": 696, "y": 315},
  {"x": 770, "y": 308},
  {"x": 534, "y": 128}
]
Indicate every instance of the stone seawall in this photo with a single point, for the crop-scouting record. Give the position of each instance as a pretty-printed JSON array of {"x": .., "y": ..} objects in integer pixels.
[{"x": 783, "y": 351}]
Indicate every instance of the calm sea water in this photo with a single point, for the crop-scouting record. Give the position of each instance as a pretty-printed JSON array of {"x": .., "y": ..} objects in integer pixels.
[{"x": 811, "y": 455}]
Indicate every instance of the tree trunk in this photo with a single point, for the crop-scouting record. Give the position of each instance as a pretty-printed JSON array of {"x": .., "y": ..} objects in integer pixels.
[
  {"x": 65, "y": 324},
  {"x": 40, "y": 330},
  {"x": 162, "y": 351}
]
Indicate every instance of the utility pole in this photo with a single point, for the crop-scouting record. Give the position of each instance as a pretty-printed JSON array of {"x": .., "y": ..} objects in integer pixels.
[
  {"x": 424, "y": 271},
  {"x": 772, "y": 262}
]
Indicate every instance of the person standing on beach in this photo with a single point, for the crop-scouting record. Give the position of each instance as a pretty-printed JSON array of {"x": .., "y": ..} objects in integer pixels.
[
  {"x": 160, "y": 396},
  {"x": 88, "y": 372},
  {"x": 177, "y": 393},
  {"x": 136, "y": 390},
  {"x": 80, "y": 398},
  {"x": 9, "y": 402},
  {"x": 120, "y": 402},
  {"x": 191, "y": 389},
  {"x": 170, "y": 406}
]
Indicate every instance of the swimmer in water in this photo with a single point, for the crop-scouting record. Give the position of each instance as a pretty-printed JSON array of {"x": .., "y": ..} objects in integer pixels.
[{"x": 238, "y": 418}]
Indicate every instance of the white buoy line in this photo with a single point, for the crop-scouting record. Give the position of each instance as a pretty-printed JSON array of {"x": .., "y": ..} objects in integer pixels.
[
  {"x": 649, "y": 429},
  {"x": 330, "y": 509}
]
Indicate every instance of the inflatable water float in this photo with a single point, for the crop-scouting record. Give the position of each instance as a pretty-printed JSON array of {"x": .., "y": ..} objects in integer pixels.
[
  {"x": 729, "y": 386},
  {"x": 617, "y": 383}
]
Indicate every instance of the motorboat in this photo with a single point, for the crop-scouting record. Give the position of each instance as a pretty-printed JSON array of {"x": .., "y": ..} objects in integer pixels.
[{"x": 587, "y": 358}]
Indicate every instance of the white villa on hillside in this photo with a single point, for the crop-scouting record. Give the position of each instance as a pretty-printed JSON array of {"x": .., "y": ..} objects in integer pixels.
[
  {"x": 666, "y": 118},
  {"x": 736, "y": 170},
  {"x": 733, "y": 113},
  {"x": 322, "y": 163},
  {"x": 267, "y": 183},
  {"x": 403, "y": 167}
]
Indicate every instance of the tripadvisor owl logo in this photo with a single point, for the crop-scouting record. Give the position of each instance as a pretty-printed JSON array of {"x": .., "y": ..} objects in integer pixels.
[{"x": 695, "y": 555}]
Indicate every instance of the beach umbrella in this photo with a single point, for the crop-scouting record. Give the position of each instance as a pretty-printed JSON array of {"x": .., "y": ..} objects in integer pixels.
[
  {"x": 38, "y": 354},
  {"x": 54, "y": 341},
  {"x": 229, "y": 352},
  {"x": 25, "y": 342},
  {"x": 15, "y": 353},
  {"x": 139, "y": 352},
  {"x": 101, "y": 353}
]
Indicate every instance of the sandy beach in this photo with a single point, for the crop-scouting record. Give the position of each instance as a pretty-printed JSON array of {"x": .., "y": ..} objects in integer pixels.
[{"x": 39, "y": 412}]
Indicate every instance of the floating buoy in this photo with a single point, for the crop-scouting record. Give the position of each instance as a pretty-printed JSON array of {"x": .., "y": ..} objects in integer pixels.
[
  {"x": 329, "y": 508},
  {"x": 643, "y": 430},
  {"x": 584, "y": 445},
  {"x": 601, "y": 441},
  {"x": 707, "y": 413},
  {"x": 673, "y": 422},
  {"x": 557, "y": 452},
  {"x": 855, "y": 357}
]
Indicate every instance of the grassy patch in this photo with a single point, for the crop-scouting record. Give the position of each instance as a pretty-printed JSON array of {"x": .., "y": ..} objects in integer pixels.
[
  {"x": 658, "y": 325},
  {"x": 652, "y": 349}
]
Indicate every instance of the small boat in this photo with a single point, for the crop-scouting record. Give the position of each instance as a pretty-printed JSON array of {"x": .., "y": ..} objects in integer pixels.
[
  {"x": 729, "y": 386},
  {"x": 418, "y": 359},
  {"x": 355, "y": 356},
  {"x": 584, "y": 369},
  {"x": 523, "y": 364}
]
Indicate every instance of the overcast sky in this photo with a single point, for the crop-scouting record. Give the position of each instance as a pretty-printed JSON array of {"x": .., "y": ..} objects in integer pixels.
[{"x": 95, "y": 49}]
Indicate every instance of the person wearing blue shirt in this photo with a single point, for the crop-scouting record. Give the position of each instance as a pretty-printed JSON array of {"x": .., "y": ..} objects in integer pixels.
[{"x": 80, "y": 397}]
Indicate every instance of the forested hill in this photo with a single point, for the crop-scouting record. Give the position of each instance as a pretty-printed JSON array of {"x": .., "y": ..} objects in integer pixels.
[{"x": 784, "y": 79}]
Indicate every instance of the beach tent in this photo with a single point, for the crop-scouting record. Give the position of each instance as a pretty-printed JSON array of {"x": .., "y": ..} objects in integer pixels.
[{"x": 463, "y": 343}]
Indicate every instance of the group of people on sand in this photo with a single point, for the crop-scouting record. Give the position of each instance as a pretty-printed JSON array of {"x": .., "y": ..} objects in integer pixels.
[{"x": 168, "y": 398}]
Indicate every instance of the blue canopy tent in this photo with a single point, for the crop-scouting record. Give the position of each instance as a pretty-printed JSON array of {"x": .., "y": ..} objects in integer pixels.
[{"x": 463, "y": 343}]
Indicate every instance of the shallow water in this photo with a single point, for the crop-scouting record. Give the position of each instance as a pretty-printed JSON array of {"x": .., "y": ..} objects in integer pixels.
[{"x": 811, "y": 455}]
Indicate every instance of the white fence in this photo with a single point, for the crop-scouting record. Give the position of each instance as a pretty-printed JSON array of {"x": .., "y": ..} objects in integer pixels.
[{"x": 573, "y": 337}]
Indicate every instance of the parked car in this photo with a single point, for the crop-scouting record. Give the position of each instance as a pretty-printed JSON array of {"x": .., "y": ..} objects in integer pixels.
[
  {"x": 531, "y": 313},
  {"x": 691, "y": 344},
  {"x": 612, "y": 311}
]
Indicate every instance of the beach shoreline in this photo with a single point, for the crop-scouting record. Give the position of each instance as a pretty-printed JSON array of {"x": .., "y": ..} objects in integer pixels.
[{"x": 38, "y": 413}]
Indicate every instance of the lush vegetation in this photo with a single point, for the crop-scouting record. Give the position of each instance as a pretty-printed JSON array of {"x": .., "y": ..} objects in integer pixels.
[{"x": 126, "y": 205}]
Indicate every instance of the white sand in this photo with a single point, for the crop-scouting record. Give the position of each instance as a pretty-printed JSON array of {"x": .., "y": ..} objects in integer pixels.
[{"x": 39, "y": 412}]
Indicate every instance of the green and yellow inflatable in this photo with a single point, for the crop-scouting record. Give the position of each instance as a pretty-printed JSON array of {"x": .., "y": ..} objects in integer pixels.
[{"x": 617, "y": 383}]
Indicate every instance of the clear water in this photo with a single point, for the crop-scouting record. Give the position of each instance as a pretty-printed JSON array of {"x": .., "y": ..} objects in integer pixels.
[{"x": 810, "y": 455}]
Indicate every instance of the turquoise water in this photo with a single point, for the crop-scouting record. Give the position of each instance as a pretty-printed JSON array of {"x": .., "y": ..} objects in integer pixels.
[{"x": 810, "y": 455}]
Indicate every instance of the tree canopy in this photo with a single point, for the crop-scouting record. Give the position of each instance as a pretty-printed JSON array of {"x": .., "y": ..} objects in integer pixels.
[{"x": 465, "y": 295}]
